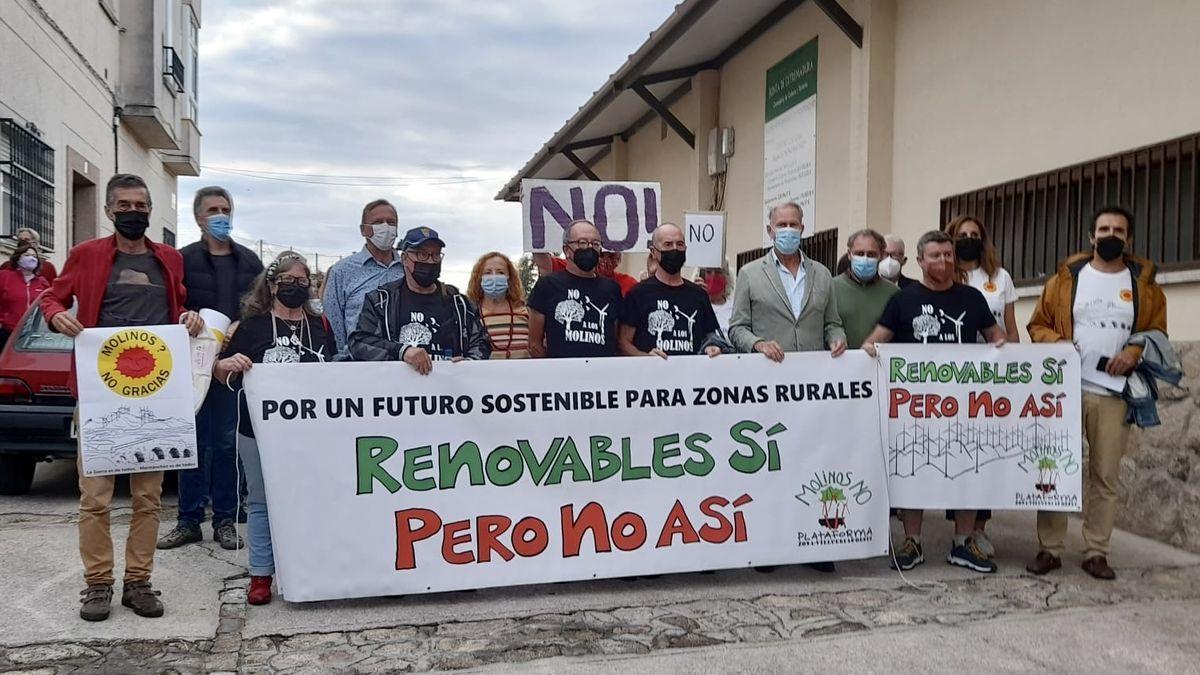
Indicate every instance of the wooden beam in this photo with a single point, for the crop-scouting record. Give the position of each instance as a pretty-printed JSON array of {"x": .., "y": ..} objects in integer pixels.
[
  {"x": 581, "y": 165},
  {"x": 665, "y": 113},
  {"x": 839, "y": 16}
]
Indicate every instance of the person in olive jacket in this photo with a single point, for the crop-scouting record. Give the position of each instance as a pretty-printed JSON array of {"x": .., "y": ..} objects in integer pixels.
[{"x": 217, "y": 271}]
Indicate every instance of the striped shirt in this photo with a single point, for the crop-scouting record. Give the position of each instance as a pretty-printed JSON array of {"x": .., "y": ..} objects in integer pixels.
[
  {"x": 346, "y": 286},
  {"x": 509, "y": 331}
]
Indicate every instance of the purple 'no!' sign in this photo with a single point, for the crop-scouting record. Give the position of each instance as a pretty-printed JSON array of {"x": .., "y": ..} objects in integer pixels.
[{"x": 623, "y": 212}]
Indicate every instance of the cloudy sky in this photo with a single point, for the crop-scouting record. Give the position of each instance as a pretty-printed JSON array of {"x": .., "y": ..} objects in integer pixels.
[{"x": 446, "y": 100}]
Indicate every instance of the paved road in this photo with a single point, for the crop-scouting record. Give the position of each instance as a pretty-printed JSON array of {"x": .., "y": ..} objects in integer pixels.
[{"x": 864, "y": 619}]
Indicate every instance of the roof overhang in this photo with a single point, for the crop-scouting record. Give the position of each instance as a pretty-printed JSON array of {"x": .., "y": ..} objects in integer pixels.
[{"x": 699, "y": 35}]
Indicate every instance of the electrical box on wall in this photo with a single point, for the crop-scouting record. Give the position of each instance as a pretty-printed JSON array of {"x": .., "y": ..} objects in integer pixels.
[{"x": 720, "y": 149}]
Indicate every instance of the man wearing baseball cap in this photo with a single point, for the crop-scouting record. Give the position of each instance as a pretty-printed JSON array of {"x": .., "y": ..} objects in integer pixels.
[{"x": 418, "y": 319}]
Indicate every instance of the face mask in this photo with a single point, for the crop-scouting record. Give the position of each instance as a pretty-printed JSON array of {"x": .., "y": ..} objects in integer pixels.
[
  {"x": 671, "y": 261},
  {"x": 383, "y": 236},
  {"x": 292, "y": 296},
  {"x": 787, "y": 240},
  {"x": 494, "y": 285},
  {"x": 889, "y": 268},
  {"x": 131, "y": 224},
  {"x": 219, "y": 226},
  {"x": 940, "y": 272},
  {"x": 968, "y": 249},
  {"x": 426, "y": 274},
  {"x": 715, "y": 284},
  {"x": 1110, "y": 248},
  {"x": 28, "y": 263},
  {"x": 864, "y": 267},
  {"x": 586, "y": 259}
]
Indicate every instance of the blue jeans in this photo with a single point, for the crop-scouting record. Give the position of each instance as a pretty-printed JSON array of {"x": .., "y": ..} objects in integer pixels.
[
  {"x": 216, "y": 474},
  {"x": 258, "y": 528}
]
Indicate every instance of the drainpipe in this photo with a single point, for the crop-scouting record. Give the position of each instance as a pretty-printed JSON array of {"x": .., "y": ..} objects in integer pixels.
[{"x": 116, "y": 124}]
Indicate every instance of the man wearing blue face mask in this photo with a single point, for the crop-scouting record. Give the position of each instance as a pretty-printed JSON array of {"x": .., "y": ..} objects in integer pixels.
[
  {"x": 784, "y": 302},
  {"x": 861, "y": 292},
  {"x": 217, "y": 271}
]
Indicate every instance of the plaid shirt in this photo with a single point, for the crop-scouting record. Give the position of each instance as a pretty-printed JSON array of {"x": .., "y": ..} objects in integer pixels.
[{"x": 346, "y": 286}]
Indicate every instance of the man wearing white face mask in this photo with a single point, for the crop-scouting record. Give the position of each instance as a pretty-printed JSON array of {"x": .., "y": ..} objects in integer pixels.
[
  {"x": 350, "y": 279},
  {"x": 217, "y": 271}
]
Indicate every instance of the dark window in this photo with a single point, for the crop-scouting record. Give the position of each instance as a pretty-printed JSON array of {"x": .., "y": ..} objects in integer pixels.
[
  {"x": 1039, "y": 220},
  {"x": 168, "y": 237},
  {"x": 821, "y": 247},
  {"x": 26, "y": 182}
]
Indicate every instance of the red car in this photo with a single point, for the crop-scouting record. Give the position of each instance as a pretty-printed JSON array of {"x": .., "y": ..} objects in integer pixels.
[{"x": 36, "y": 406}]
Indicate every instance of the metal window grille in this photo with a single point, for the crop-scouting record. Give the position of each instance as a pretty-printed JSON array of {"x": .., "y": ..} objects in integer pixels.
[
  {"x": 173, "y": 68},
  {"x": 168, "y": 237},
  {"x": 27, "y": 168},
  {"x": 821, "y": 247},
  {"x": 1038, "y": 220}
]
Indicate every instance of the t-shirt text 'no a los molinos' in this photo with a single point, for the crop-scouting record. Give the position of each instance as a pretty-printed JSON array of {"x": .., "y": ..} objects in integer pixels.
[
  {"x": 581, "y": 314},
  {"x": 921, "y": 315},
  {"x": 675, "y": 319}
]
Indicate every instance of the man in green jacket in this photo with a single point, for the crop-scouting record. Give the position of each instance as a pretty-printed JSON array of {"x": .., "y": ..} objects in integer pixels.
[{"x": 861, "y": 292}]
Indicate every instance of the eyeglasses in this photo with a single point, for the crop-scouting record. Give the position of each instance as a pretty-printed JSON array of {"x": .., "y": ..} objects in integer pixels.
[
  {"x": 288, "y": 280},
  {"x": 586, "y": 243},
  {"x": 424, "y": 257},
  {"x": 680, "y": 245}
]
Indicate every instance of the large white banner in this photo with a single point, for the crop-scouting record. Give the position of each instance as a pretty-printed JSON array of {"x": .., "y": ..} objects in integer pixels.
[
  {"x": 135, "y": 400},
  {"x": 790, "y": 135},
  {"x": 975, "y": 426},
  {"x": 624, "y": 212},
  {"x": 514, "y": 472}
]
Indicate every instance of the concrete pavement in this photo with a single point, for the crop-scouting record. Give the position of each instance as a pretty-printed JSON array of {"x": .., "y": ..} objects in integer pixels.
[{"x": 796, "y": 619}]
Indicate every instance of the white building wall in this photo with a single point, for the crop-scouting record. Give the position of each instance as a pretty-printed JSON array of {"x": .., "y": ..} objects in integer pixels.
[{"x": 64, "y": 80}]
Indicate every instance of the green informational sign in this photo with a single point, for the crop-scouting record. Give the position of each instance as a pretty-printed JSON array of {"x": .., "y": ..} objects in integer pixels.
[{"x": 792, "y": 80}]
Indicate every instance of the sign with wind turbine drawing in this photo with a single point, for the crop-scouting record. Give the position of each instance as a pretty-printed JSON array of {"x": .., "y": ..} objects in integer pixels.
[{"x": 974, "y": 426}]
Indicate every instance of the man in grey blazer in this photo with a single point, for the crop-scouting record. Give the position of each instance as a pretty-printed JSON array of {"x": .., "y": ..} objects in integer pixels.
[{"x": 784, "y": 301}]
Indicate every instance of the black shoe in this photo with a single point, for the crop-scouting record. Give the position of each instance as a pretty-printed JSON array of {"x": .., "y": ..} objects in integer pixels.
[
  {"x": 143, "y": 600},
  {"x": 969, "y": 556},
  {"x": 179, "y": 536},
  {"x": 97, "y": 600},
  {"x": 826, "y": 567},
  {"x": 226, "y": 535},
  {"x": 909, "y": 555}
]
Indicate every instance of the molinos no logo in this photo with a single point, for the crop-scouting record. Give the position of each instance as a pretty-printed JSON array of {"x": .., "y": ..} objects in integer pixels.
[
  {"x": 134, "y": 363},
  {"x": 834, "y": 490}
]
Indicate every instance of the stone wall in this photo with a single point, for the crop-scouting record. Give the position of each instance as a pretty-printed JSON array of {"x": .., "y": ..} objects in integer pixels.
[{"x": 1160, "y": 476}]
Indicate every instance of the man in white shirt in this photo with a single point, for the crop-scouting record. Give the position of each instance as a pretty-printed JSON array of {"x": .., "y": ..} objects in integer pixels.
[{"x": 1097, "y": 300}]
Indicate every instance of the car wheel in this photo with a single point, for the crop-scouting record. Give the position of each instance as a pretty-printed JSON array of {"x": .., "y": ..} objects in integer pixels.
[{"x": 16, "y": 474}]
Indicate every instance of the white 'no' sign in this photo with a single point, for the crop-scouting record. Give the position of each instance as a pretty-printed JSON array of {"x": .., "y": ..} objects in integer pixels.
[{"x": 705, "y": 235}]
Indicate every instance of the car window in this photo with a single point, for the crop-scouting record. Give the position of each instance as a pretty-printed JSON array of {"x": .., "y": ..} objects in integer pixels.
[{"x": 36, "y": 336}]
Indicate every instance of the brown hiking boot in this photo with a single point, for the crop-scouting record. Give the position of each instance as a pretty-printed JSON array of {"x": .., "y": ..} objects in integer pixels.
[
  {"x": 1044, "y": 563},
  {"x": 142, "y": 599},
  {"x": 96, "y": 601},
  {"x": 1097, "y": 566}
]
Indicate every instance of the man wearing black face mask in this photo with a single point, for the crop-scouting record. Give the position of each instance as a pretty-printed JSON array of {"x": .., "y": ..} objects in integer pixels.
[
  {"x": 418, "y": 319},
  {"x": 122, "y": 280},
  {"x": 665, "y": 314},
  {"x": 1096, "y": 301},
  {"x": 574, "y": 313}
]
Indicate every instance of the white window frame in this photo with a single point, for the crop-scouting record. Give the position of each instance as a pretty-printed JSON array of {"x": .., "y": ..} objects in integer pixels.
[{"x": 192, "y": 63}]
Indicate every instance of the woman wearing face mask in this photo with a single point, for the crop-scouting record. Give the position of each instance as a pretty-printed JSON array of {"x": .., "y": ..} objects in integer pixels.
[
  {"x": 496, "y": 289},
  {"x": 278, "y": 325},
  {"x": 21, "y": 282},
  {"x": 979, "y": 267}
]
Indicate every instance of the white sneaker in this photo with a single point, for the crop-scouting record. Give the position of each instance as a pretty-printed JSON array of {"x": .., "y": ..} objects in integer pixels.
[{"x": 984, "y": 544}]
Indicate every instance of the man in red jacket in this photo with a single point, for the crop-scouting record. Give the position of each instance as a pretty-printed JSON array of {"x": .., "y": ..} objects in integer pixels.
[{"x": 122, "y": 280}]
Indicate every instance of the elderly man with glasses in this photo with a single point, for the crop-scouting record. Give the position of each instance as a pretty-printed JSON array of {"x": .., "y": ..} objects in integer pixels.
[
  {"x": 418, "y": 319},
  {"x": 573, "y": 313}
]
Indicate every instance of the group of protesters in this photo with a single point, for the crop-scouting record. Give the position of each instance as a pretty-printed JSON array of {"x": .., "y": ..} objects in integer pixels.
[{"x": 388, "y": 303}]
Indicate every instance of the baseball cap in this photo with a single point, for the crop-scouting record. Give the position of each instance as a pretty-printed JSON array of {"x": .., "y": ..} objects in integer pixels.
[{"x": 418, "y": 236}]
